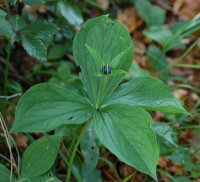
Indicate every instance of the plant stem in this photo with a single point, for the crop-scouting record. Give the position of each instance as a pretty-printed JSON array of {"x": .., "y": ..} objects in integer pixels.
[
  {"x": 187, "y": 52},
  {"x": 75, "y": 149},
  {"x": 6, "y": 134}
]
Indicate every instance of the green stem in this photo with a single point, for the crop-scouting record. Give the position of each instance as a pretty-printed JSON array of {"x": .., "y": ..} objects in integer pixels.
[
  {"x": 62, "y": 155},
  {"x": 187, "y": 51},
  {"x": 75, "y": 149}
]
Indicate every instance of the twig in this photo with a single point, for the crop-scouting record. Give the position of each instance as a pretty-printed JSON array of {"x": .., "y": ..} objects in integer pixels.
[
  {"x": 12, "y": 160},
  {"x": 7, "y": 97},
  {"x": 18, "y": 155},
  {"x": 4, "y": 157}
]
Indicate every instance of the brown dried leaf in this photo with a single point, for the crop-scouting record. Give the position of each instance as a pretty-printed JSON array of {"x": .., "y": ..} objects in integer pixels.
[
  {"x": 169, "y": 166},
  {"x": 180, "y": 93},
  {"x": 104, "y": 4},
  {"x": 190, "y": 9},
  {"x": 130, "y": 18},
  {"x": 32, "y": 9},
  {"x": 21, "y": 141},
  {"x": 177, "y": 6},
  {"x": 2, "y": 2}
]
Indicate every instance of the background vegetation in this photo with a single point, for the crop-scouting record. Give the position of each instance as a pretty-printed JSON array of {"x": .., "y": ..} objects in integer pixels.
[{"x": 36, "y": 40}]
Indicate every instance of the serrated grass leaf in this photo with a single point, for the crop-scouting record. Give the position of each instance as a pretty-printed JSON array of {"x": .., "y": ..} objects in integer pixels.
[
  {"x": 35, "y": 47},
  {"x": 41, "y": 29}
]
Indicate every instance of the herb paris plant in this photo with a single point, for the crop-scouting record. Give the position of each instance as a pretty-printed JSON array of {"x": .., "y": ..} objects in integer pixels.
[{"x": 116, "y": 113}]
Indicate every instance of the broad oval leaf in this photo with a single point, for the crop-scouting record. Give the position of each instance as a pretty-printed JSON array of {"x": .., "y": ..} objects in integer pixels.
[
  {"x": 147, "y": 92},
  {"x": 47, "y": 106},
  {"x": 151, "y": 14},
  {"x": 107, "y": 39},
  {"x": 159, "y": 34},
  {"x": 40, "y": 156},
  {"x": 5, "y": 174},
  {"x": 127, "y": 133}
]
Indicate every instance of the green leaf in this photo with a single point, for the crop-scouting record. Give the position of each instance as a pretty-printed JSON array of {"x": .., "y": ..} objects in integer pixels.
[
  {"x": 158, "y": 59},
  {"x": 41, "y": 29},
  {"x": 146, "y": 92},
  {"x": 89, "y": 150},
  {"x": 70, "y": 12},
  {"x": 2, "y": 13},
  {"x": 191, "y": 26},
  {"x": 166, "y": 138},
  {"x": 33, "y": 2},
  {"x": 181, "y": 179},
  {"x": 116, "y": 61},
  {"x": 96, "y": 57},
  {"x": 45, "y": 178},
  {"x": 159, "y": 34},
  {"x": 94, "y": 175},
  {"x": 113, "y": 73},
  {"x": 35, "y": 47},
  {"x": 151, "y": 14},
  {"x": 5, "y": 28},
  {"x": 45, "y": 107},
  {"x": 118, "y": 72},
  {"x": 57, "y": 52},
  {"x": 108, "y": 38},
  {"x": 136, "y": 71},
  {"x": 181, "y": 156},
  {"x": 5, "y": 174},
  {"x": 40, "y": 156},
  {"x": 184, "y": 30},
  {"x": 127, "y": 133},
  {"x": 17, "y": 22}
]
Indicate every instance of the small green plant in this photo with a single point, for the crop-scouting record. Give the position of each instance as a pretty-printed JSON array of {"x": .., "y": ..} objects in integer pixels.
[{"x": 111, "y": 112}]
